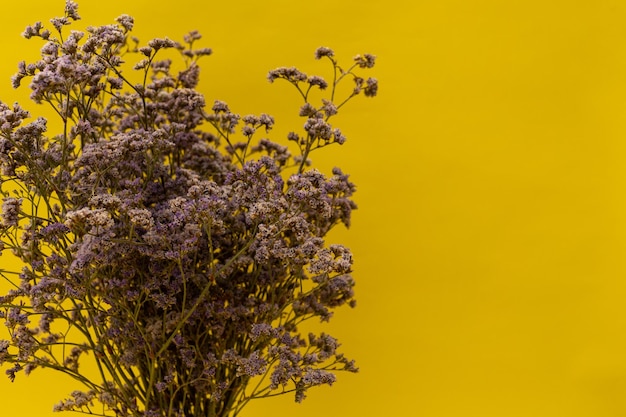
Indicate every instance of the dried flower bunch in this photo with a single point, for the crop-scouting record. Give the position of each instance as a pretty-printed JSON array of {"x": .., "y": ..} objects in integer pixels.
[{"x": 163, "y": 241}]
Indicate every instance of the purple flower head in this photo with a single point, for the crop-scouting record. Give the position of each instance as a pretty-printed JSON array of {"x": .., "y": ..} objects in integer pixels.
[
  {"x": 365, "y": 61},
  {"x": 371, "y": 87},
  {"x": 317, "y": 81},
  {"x": 220, "y": 107},
  {"x": 71, "y": 10},
  {"x": 291, "y": 74},
  {"x": 36, "y": 30},
  {"x": 126, "y": 21},
  {"x": 192, "y": 36},
  {"x": 323, "y": 51},
  {"x": 157, "y": 43},
  {"x": 11, "y": 211},
  {"x": 329, "y": 108}
]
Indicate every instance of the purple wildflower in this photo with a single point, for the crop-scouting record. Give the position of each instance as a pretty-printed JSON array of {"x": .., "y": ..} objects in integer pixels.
[
  {"x": 11, "y": 211},
  {"x": 323, "y": 51},
  {"x": 365, "y": 61}
]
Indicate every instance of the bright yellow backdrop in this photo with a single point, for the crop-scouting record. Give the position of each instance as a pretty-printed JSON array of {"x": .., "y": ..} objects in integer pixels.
[{"x": 491, "y": 236}]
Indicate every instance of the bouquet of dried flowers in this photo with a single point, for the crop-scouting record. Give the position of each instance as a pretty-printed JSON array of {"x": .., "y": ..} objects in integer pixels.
[{"x": 162, "y": 240}]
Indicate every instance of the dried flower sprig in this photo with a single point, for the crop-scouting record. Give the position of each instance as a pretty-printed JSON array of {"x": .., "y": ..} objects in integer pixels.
[
  {"x": 181, "y": 266},
  {"x": 319, "y": 132}
]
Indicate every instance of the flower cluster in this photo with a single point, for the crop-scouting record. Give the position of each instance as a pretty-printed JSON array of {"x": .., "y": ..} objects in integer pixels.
[{"x": 184, "y": 251}]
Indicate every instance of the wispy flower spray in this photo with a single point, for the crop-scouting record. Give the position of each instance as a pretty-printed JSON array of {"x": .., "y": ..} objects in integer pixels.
[{"x": 167, "y": 241}]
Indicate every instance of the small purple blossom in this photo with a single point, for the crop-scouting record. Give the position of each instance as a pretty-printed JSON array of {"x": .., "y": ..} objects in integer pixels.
[
  {"x": 307, "y": 110},
  {"x": 318, "y": 128},
  {"x": 291, "y": 74},
  {"x": 126, "y": 21},
  {"x": 220, "y": 106},
  {"x": 192, "y": 36},
  {"x": 365, "y": 61},
  {"x": 157, "y": 44},
  {"x": 36, "y": 30},
  {"x": 317, "y": 81},
  {"x": 323, "y": 51},
  {"x": 371, "y": 87},
  {"x": 11, "y": 211},
  {"x": 71, "y": 10}
]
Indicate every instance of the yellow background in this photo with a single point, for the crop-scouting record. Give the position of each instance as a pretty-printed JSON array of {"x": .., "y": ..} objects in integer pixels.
[{"x": 490, "y": 240}]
